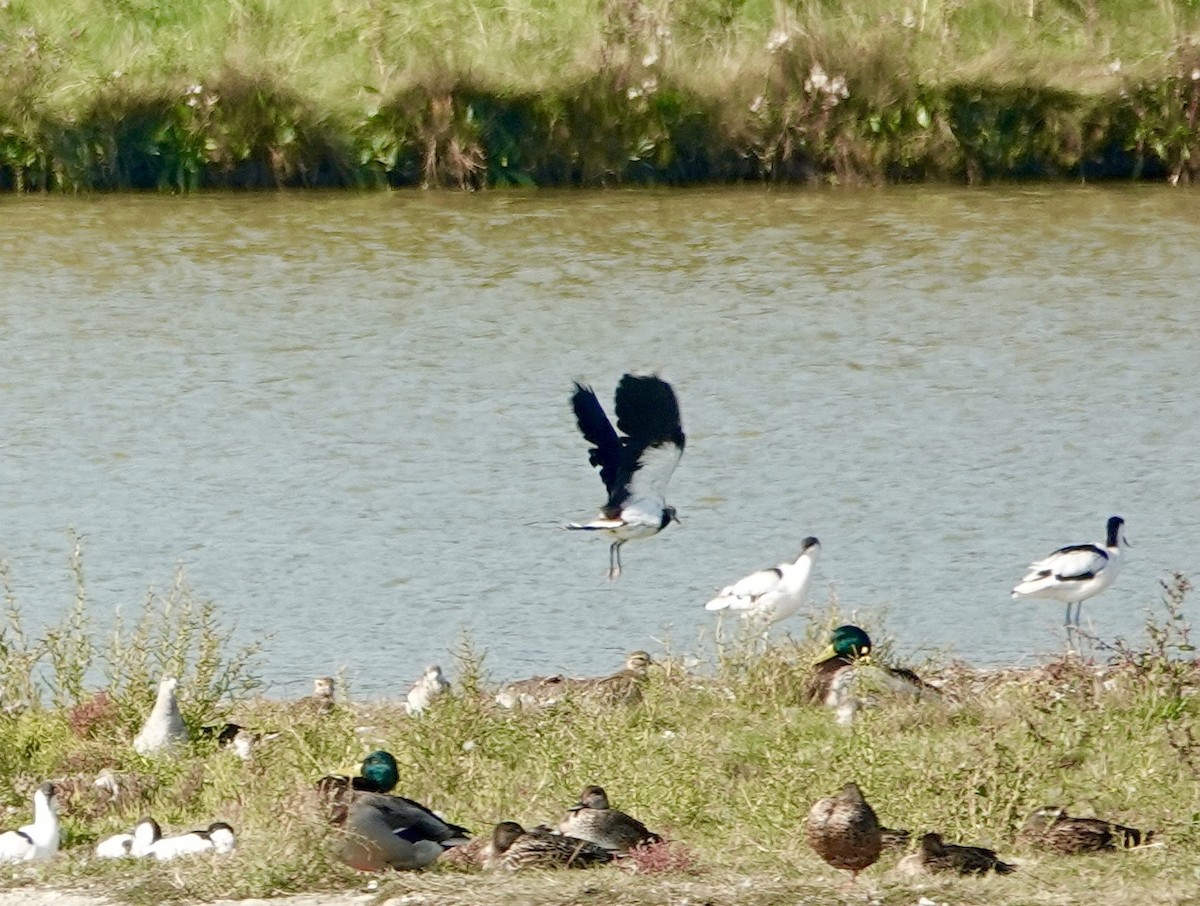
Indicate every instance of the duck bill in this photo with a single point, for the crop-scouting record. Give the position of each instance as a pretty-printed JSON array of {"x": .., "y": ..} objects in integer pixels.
[{"x": 826, "y": 653}]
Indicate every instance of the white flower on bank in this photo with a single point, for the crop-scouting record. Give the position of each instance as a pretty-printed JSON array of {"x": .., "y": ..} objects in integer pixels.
[
  {"x": 1114, "y": 67},
  {"x": 910, "y": 19},
  {"x": 757, "y": 104},
  {"x": 1196, "y": 74},
  {"x": 650, "y": 58},
  {"x": 779, "y": 39},
  {"x": 817, "y": 80},
  {"x": 648, "y": 86}
]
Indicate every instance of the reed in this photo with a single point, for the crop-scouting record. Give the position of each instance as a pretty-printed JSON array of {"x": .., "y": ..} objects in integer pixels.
[
  {"x": 724, "y": 760},
  {"x": 136, "y": 94}
]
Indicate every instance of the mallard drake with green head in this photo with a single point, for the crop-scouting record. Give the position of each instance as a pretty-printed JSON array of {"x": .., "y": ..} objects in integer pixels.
[
  {"x": 847, "y": 660},
  {"x": 593, "y": 820},
  {"x": 844, "y": 831},
  {"x": 515, "y": 848},
  {"x": 938, "y": 857},
  {"x": 1052, "y": 829},
  {"x": 383, "y": 830},
  {"x": 378, "y": 773}
]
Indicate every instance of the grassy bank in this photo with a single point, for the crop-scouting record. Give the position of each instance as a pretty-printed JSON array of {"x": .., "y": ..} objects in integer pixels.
[
  {"x": 185, "y": 94},
  {"x": 725, "y": 761}
]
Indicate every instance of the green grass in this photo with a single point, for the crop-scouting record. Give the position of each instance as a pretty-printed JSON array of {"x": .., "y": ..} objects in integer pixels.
[
  {"x": 185, "y": 94},
  {"x": 723, "y": 760}
]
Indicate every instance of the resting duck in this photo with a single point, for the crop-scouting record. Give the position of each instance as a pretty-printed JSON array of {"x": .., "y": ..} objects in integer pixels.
[
  {"x": 514, "y": 848},
  {"x": 844, "y": 831},
  {"x": 847, "y": 661},
  {"x": 591, "y": 819},
  {"x": 382, "y": 830},
  {"x": 938, "y": 857},
  {"x": 1051, "y": 828},
  {"x": 38, "y": 841},
  {"x": 378, "y": 773},
  {"x": 622, "y": 687},
  {"x": 321, "y": 702},
  {"x": 164, "y": 730},
  {"x": 135, "y": 845}
]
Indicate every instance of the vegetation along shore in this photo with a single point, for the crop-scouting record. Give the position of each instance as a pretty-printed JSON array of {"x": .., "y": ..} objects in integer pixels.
[
  {"x": 723, "y": 759},
  {"x": 189, "y": 94}
]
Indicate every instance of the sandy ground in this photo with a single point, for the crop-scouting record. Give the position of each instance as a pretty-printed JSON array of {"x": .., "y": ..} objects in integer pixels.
[{"x": 47, "y": 897}]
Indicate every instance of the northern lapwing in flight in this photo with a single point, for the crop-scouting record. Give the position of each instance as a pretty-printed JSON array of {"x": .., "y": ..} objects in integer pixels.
[
  {"x": 635, "y": 468},
  {"x": 1075, "y": 573}
]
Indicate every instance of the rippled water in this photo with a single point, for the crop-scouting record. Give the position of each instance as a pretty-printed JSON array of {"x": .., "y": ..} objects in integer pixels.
[{"x": 348, "y": 415}]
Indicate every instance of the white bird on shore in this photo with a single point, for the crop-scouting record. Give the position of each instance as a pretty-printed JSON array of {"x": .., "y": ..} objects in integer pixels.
[
  {"x": 135, "y": 845},
  {"x": 425, "y": 690},
  {"x": 635, "y": 468},
  {"x": 38, "y": 841},
  {"x": 1075, "y": 573},
  {"x": 164, "y": 730},
  {"x": 216, "y": 838},
  {"x": 773, "y": 594}
]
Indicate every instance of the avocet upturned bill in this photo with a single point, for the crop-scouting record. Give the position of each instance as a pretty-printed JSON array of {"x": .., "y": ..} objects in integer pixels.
[
  {"x": 771, "y": 594},
  {"x": 1075, "y": 573},
  {"x": 635, "y": 468}
]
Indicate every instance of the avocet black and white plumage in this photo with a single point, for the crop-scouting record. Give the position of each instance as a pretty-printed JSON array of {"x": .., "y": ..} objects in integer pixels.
[
  {"x": 1075, "y": 573},
  {"x": 135, "y": 845},
  {"x": 218, "y": 838},
  {"x": 773, "y": 594},
  {"x": 37, "y": 841},
  {"x": 637, "y": 467}
]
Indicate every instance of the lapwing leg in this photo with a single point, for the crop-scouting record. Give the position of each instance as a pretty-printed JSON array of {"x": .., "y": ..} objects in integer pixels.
[
  {"x": 1067, "y": 618},
  {"x": 614, "y": 561}
]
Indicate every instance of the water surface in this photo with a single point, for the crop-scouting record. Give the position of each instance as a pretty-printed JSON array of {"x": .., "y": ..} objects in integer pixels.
[{"x": 347, "y": 416}]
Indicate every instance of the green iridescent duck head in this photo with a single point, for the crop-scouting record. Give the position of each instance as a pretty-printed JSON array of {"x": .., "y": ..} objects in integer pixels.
[
  {"x": 379, "y": 773},
  {"x": 847, "y": 643}
]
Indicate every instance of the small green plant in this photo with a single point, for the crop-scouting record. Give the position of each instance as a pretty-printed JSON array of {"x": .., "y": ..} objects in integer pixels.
[{"x": 174, "y": 634}]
